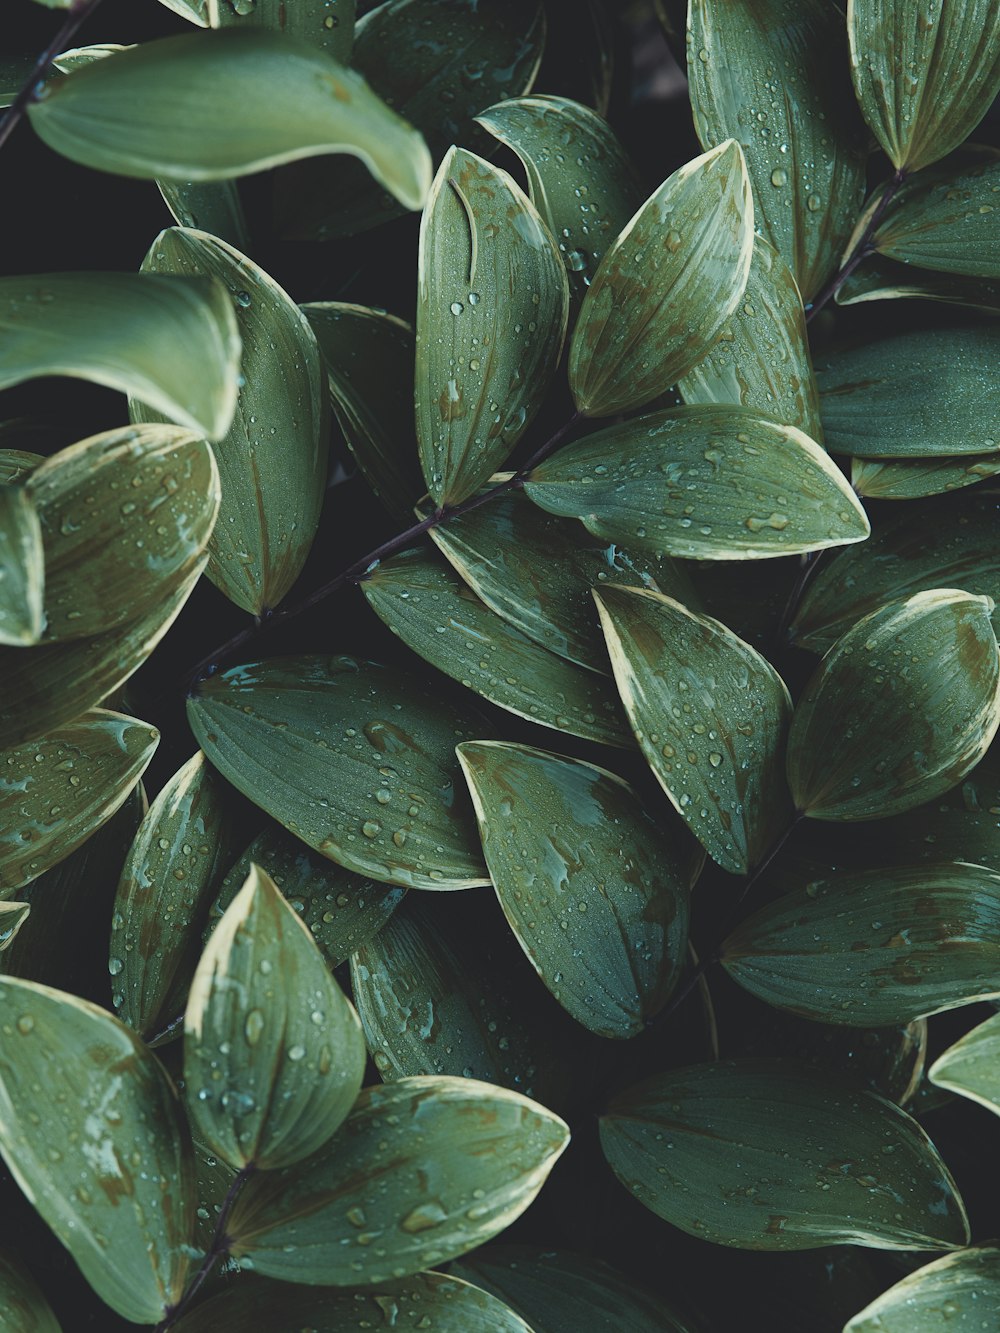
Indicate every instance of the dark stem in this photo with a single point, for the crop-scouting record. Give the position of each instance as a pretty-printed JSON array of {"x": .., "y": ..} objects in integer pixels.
[
  {"x": 361, "y": 568},
  {"x": 862, "y": 248},
  {"x": 218, "y": 1249},
  {"x": 77, "y": 14}
]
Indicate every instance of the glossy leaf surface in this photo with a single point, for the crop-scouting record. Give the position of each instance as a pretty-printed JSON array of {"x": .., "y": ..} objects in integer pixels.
[
  {"x": 15, "y": 464},
  {"x": 272, "y": 461},
  {"x": 492, "y": 303},
  {"x": 971, "y": 1067},
  {"x": 456, "y": 1162},
  {"x": 766, "y": 1155},
  {"x": 666, "y": 288},
  {"x": 707, "y": 483},
  {"x": 947, "y": 220},
  {"x": 212, "y": 206},
  {"x": 217, "y": 105},
  {"x": 109, "y": 1168},
  {"x": 423, "y": 600},
  {"x": 925, "y": 78},
  {"x": 12, "y": 918},
  {"x": 899, "y": 710},
  {"x": 874, "y": 948},
  {"x": 22, "y": 568},
  {"x": 771, "y": 75},
  {"x": 172, "y": 343},
  {"x": 355, "y": 759},
  {"x": 596, "y": 894},
  {"x": 273, "y": 1050},
  {"x": 711, "y": 717},
  {"x": 916, "y": 478},
  {"x": 326, "y": 24},
  {"x": 55, "y": 792},
  {"x": 962, "y": 1290}
]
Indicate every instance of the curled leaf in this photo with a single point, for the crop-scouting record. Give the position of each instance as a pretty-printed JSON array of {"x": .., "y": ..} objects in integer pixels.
[{"x": 963, "y": 1289}]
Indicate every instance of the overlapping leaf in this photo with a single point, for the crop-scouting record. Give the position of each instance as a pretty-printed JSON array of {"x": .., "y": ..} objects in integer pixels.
[
  {"x": 885, "y": 279},
  {"x": 767, "y": 1155},
  {"x": 666, "y": 288},
  {"x": 596, "y": 894},
  {"x": 16, "y": 464},
  {"x": 948, "y": 219},
  {"x": 963, "y": 1290},
  {"x": 12, "y": 918},
  {"x": 710, "y": 715},
  {"x": 355, "y": 759},
  {"x": 21, "y": 1299},
  {"x": 899, "y": 710},
  {"x": 22, "y": 568},
  {"x": 492, "y": 302},
  {"x": 971, "y": 1067},
  {"x": 708, "y": 483},
  {"x": 917, "y": 478},
  {"x": 326, "y": 24},
  {"x": 212, "y": 206}
]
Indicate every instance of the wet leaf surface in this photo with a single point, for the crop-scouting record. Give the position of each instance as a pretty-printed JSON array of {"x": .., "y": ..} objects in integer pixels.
[
  {"x": 961, "y": 1289},
  {"x": 971, "y": 1067},
  {"x": 326, "y": 24},
  {"x": 947, "y": 219},
  {"x": 917, "y": 478},
  {"x": 882, "y": 279},
  {"x": 212, "y": 206},
  {"x": 22, "y": 568}
]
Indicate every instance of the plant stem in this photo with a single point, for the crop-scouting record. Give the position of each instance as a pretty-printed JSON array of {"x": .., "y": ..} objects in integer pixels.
[
  {"x": 862, "y": 248},
  {"x": 77, "y": 14},
  {"x": 363, "y": 566},
  {"x": 217, "y": 1250}
]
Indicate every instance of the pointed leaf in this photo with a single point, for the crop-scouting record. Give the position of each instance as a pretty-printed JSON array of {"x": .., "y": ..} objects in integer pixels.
[
  {"x": 172, "y": 342},
  {"x": 899, "y": 710},
  {"x": 710, "y": 715},
  {"x": 273, "y": 1050},
  {"x": 971, "y": 1067},
  {"x": 873, "y": 948},
  {"x": 194, "y": 10},
  {"x": 537, "y": 571},
  {"x": 342, "y": 911},
  {"x": 22, "y": 568},
  {"x": 961, "y": 1289},
  {"x": 423, "y": 600},
  {"x": 355, "y": 759},
  {"x": 457, "y": 1161},
  {"x": 368, "y": 357},
  {"x": 767, "y": 1155},
  {"x": 881, "y": 279},
  {"x": 25, "y": 1308},
  {"x": 916, "y": 478},
  {"x": 596, "y": 895},
  {"x": 109, "y": 1168},
  {"x": 12, "y": 918},
  {"x": 492, "y": 302},
  {"x": 948, "y": 219},
  {"x": 214, "y": 206},
  {"x": 761, "y": 359},
  {"x": 924, "y": 80},
  {"x": 916, "y": 394},
  {"x": 772, "y": 76},
  {"x": 326, "y": 24},
  {"x": 709, "y": 483},
  {"x": 57, "y": 791},
  {"x": 222, "y": 104},
  {"x": 49, "y": 684},
  {"x": 175, "y": 862},
  {"x": 666, "y": 288},
  {"x": 272, "y": 461},
  {"x": 579, "y": 176},
  {"x": 110, "y": 558}
]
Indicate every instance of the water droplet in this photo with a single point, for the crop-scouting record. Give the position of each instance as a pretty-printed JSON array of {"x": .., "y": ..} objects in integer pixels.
[{"x": 779, "y": 177}]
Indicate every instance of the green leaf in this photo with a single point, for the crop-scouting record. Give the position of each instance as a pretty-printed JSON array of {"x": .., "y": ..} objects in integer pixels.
[
  {"x": 221, "y": 104},
  {"x": 918, "y": 394},
  {"x": 560, "y": 1292},
  {"x": 708, "y": 483},
  {"x": 947, "y": 544},
  {"x": 214, "y": 206},
  {"x": 12, "y": 918},
  {"x": 342, "y": 911},
  {"x": 110, "y": 558},
  {"x": 369, "y": 370},
  {"x": 273, "y": 1050},
  {"x": 424, "y": 602},
  {"x": 173, "y": 866},
  {"x": 444, "y": 989},
  {"x": 947, "y": 219},
  {"x": 916, "y": 478},
  {"x": 355, "y": 759},
  {"x": 49, "y": 684},
  {"x": 761, "y": 359},
  {"x": 16, "y": 464},
  {"x": 924, "y": 80},
  {"x": 961, "y": 1289},
  {"x": 326, "y": 24},
  {"x": 456, "y": 1160},
  {"x": 537, "y": 571},
  {"x": 22, "y": 568},
  {"x": 25, "y": 1308},
  {"x": 874, "y": 948},
  {"x": 441, "y": 1302},
  {"x": 492, "y": 304},
  {"x": 596, "y": 895},
  {"x": 767, "y": 1155},
  {"x": 579, "y": 176},
  {"x": 272, "y": 461},
  {"x": 436, "y": 63},
  {"x": 666, "y": 288},
  {"x": 195, "y": 10},
  {"x": 109, "y": 1167},
  {"x": 171, "y": 342},
  {"x": 772, "y": 76},
  {"x": 899, "y": 710},
  {"x": 885, "y": 279},
  {"x": 971, "y": 1067},
  {"x": 711, "y": 717},
  {"x": 57, "y": 791}
]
